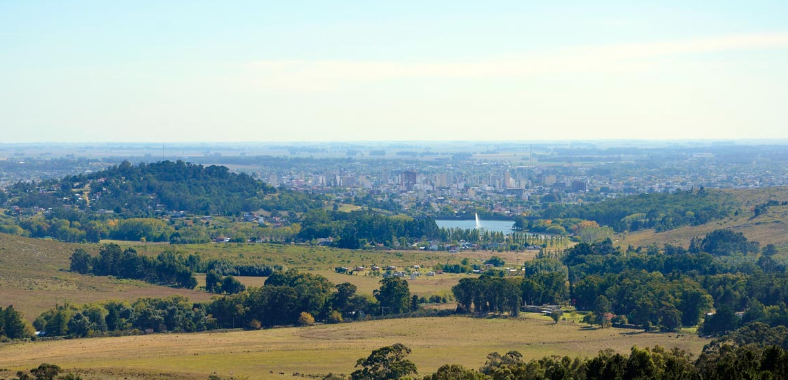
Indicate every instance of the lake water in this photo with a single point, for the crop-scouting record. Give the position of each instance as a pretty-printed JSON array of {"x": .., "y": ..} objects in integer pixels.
[{"x": 504, "y": 226}]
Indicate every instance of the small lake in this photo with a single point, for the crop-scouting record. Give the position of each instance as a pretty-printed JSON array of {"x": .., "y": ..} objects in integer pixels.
[{"x": 504, "y": 226}]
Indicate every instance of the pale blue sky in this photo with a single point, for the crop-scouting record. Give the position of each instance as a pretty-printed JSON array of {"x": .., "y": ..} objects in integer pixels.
[{"x": 167, "y": 71}]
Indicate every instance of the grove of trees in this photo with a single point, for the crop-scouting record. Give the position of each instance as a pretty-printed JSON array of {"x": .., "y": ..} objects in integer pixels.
[
  {"x": 653, "y": 288},
  {"x": 284, "y": 300},
  {"x": 166, "y": 268},
  {"x": 359, "y": 228}
]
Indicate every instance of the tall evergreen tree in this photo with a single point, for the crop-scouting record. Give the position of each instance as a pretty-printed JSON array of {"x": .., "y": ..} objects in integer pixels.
[{"x": 14, "y": 325}]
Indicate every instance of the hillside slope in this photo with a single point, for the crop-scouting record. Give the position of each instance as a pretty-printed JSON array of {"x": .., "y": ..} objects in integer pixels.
[
  {"x": 34, "y": 276},
  {"x": 768, "y": 227},
  {"x": 141, "y": 190}
]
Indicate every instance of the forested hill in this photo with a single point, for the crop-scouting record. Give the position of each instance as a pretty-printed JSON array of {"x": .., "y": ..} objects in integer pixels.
[
  {"x": 165, "y": 186},
  {"x": 660, "y": 211}
]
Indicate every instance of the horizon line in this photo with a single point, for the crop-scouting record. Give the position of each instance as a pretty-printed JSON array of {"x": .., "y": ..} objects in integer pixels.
[{"x": 753, "y": 139}]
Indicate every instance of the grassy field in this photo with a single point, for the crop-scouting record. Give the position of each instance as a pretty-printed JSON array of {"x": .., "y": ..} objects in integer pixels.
[
  {"x": 317, "y": 258},
  {"x": 420, "y": 286},
  {"x": 34, "y": 276},
  {"x": 34, "y": 272},
  {"x": 329, "y": 348},
  {"x": 304, "y": 258}
]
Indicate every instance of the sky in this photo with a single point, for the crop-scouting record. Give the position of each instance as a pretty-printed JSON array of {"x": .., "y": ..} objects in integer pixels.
[{"x": 241, "y": 71}]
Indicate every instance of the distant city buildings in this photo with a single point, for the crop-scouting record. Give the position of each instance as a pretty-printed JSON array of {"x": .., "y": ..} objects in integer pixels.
[
  {"x": 409, "y": 178},
  {"x": 453, "y": 184},
  {"x": 579, "y": 186}
]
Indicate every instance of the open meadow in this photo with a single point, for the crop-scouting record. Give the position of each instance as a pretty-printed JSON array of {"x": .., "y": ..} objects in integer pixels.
[
  {"x": 264, "y": 354},
  {"x": 322, "y": 260},
  {"x": 318, "y": 258},
  {"x": 34, "y": 273},
  {"x": 34, "y": 276}
]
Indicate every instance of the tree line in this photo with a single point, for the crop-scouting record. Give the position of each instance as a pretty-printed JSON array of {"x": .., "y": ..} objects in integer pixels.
[
  {"x": 174, "y": 314},
  {"x": 168, "y": 268},
  {"x": 647, "y": 363},
  {"x": 286, "y": 299},
  {"x": 729, "y": 360}
]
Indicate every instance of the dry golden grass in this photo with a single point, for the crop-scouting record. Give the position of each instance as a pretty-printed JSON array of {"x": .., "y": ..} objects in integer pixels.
[
  {"x": 420, "y": 286},
  {"x": 511, "y": 258},
  {"x": 305, "y": 257},
  {"x": 319, "y": 258},
  {"x": 34, "y": 273},
  {"x": 331, "y": 348},
  {"x": 34, "y": 276}
]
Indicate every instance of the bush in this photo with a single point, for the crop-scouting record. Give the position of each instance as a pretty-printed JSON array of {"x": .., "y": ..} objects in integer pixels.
[
  {"x": 254, "y": 325},
  {"x": 306, "y": 319},
  {"x": 556, "y": 315},
  {"x": 334, "y": 317},
  {"x": 495, "y": 261},
  {"x": 620, "y": 320}
]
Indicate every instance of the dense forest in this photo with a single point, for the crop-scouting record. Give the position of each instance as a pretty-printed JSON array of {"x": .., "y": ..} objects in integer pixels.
[
  {"x": 653, "y": 288},
  {"x": 661, "y": 211},
  {"x": 138, "y": 190},
  {"x": 360, "y": 228}
]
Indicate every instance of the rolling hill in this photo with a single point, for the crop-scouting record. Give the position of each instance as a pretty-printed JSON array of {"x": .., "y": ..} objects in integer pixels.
[
  {"x": 768, "y": 226},
  {"x": 140, "y": 190}
]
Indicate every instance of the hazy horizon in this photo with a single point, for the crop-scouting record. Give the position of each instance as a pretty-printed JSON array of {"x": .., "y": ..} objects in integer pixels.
[
  {"x": 601, "y": 141},
  {"x": 246, "y": 71}
]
